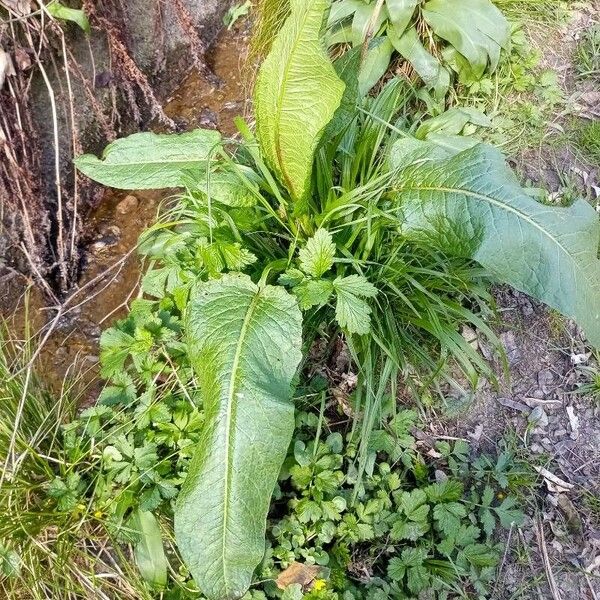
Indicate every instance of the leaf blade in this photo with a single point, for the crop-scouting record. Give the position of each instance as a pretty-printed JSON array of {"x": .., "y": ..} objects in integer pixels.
[
  {"x": 245, "y": 384},
  {"x": 297, "y": 77},
  {"x": 145, "y": 161},
  {"x": 472, "y": 205}
]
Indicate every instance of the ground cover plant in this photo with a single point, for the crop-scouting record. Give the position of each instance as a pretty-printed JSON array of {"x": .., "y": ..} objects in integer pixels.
[{"x": 317, "y": 224}]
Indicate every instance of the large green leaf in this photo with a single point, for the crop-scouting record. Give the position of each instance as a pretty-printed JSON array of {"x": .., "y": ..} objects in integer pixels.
[
  {"x": 145, "y": 161},
  {"x": 427, "y": 66},
  {"x": 401, "y": 13},
  {"x": 472, "y": 205},
  {"x": 244, "y": 343},
  {"x": 476, "y": 28},
  {"x": 296, "y": 95}
]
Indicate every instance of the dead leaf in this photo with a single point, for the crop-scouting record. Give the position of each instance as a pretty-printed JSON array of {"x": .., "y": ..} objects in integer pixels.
[
  {"x": 298, "y": 573},
  {"x": 554, "y": 483},
  {"x": 573, "y": 421},
  {"x": 6, "y": 66},
  {"x": 508, "y": 402},
  {"x": 22, "y": 59},
  {"x": 19, "y": 7},
  {"x": 572, "y": 517}
]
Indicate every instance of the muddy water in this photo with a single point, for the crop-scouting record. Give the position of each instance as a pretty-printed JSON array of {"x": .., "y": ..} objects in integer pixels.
[{"x": 111, "y": 271}]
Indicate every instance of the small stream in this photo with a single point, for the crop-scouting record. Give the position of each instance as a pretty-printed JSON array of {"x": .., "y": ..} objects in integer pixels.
[{"x": 112, "y": 267}]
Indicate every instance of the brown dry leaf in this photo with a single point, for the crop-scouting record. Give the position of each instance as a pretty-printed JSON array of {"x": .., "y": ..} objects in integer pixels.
[
  {"x": 6, "y": 66},
  {"x": 22, "y": 59},
  {"x": 298, "y": 573},
  {"x": 20, "y": 7},
  {"x": 554, "y": 483}
]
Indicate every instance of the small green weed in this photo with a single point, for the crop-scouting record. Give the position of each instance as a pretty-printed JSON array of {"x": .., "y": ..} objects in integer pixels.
[
  {"x": 588, "y": 142},
  {"x": 587, "y": 55}
]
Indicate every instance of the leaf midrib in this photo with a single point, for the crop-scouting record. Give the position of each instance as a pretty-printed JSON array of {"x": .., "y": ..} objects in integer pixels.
[
  {"x": 228, "y": 424},
  {"x": 96, "y": 161},
  {"x": 279, "y": 103},
  {"x": 501, "y": 206}
]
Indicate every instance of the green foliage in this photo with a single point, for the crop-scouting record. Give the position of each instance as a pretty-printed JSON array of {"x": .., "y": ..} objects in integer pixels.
[
  {"x": 589, "y": 142},
  {"x": 151, "y": 161},
  {"x": 375, "y": 233},
  {"x": 587, "y": 55},
  {"x": 296, "y": 78},
  {"x": 244, "y": 345},
  {"x": 472, "y": 204},
  {"x": 475, "y": 31},
  {"x": 64, "y": 13},
  {"x": 407, "y": 523}
]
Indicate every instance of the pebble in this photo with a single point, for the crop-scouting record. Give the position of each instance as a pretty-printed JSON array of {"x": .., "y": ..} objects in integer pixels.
[
  {"x": 560, "y": 433},
  {"x": 538, "y": 417},
  {"x": 127, "y": 205},
  {"x": 510, "y": 345},
  {"x": 536, "y": 448}
]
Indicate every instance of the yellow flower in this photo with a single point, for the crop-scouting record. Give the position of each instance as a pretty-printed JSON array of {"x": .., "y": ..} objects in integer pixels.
[
  {"x": 98, "y": 514},
  {"x": 320, "y": 584}
]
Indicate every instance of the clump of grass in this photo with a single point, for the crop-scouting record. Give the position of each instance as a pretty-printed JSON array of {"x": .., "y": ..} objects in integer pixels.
[
  {"x": 588, "y": 142},
  {"x": 587, "y": 55},
  {"x": 52, "y": 544}
]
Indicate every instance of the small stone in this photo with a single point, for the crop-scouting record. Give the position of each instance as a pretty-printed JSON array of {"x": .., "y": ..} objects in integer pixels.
[
  {"x": 127, "y": 205},
  {"x": 536, "y": 449},
  {"x": 510, "y": 345},
  {"x": 545, "y": 380},
  {"x": 538, "y": 417},
  {"x": 538, "y": 395},
  {"x": 560, "y": 433},
  {"x": 547, "y": 443}
]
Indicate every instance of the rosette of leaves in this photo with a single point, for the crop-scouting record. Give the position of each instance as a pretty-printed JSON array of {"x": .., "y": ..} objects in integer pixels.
[
  {"x": 318, "y": 201},
  {"x": 436, "y": 37}
]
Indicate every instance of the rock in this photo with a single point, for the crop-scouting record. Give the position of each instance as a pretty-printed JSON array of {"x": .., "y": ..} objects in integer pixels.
[
  {"x": 538, "y": 417},
  {"x": 127, "y": 205},
  {"x": 510, "y": 345},
  {"x": 545, "y": 380}
]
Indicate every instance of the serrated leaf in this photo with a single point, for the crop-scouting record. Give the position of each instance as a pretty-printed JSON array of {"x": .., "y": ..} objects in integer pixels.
[
  {"x": 356, "y": 285},
  {"x": 488, "y": 521},
  {"x": 244, "y": 344},
  {"x": 448, "y": 490},
  {"x": 508, "y": 512},
  {"x": 417, "y": 579},
  {"x": 448, "y": 516},
  {"x": 147, "y": 161},
  {"x": 409, "y": 530},
  {"x": 352, "y": 313},
  {"x": 396, "y": 569},
  {"x": 413, "y": 505},
  {"x": 472, "y": 205},
  {"x": 313, "y": 293},
  {"x": 297, "y": 77},
  {"x": 316, "y": 258}
]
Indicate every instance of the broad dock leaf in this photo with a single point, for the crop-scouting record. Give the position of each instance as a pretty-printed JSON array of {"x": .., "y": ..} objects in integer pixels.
[
  {"x": 472, "y": 205},
  {"x": 244, "y": 344},
  {"x": 149, "y": 161},
  {"x": 476, "y": 28},
  {"x": 296, "y": 95}
]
